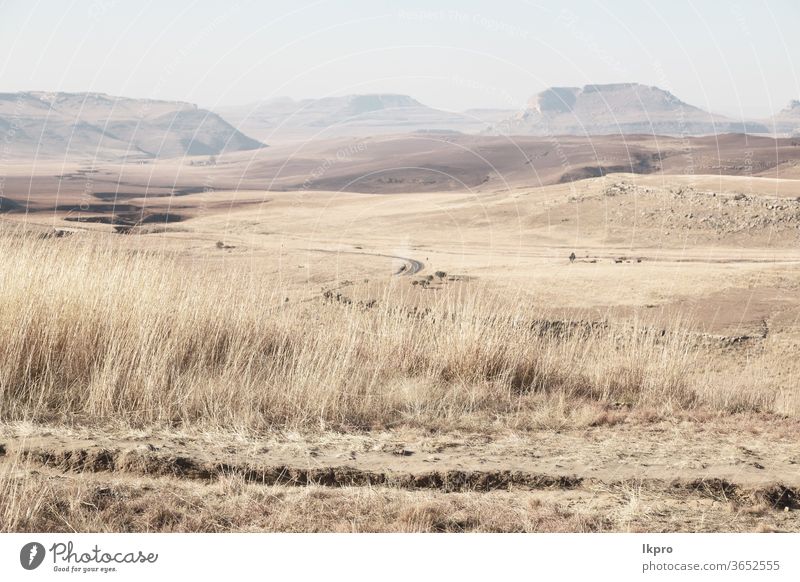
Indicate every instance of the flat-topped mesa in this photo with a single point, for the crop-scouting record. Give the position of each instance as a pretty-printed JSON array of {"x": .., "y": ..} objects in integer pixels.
[
  {"x": 620, "y": 98},
  {"x": 616, "y": 108}
]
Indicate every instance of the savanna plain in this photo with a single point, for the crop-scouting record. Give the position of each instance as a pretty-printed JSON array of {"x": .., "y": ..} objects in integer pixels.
[{"x": 192, "y": 345}]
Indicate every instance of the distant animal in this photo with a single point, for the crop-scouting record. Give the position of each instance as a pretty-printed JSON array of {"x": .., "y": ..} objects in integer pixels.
[{"x": 572, "y": 257}]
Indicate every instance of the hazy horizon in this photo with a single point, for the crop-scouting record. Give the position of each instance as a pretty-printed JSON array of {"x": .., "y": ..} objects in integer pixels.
[{"x": 735, "y": 60}]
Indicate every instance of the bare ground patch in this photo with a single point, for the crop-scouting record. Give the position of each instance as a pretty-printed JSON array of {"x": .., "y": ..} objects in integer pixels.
[{"x": 408, "y": 481}]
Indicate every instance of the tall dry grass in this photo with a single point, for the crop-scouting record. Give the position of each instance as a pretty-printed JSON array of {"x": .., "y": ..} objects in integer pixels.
[{"x": 92, "y": 331}]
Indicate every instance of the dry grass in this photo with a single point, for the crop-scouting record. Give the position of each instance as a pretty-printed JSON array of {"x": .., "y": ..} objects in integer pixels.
[
  {"x": 94, "y": 332},
  {"x": 95, "y": 503},
  {"x": 84, "y": 504}
]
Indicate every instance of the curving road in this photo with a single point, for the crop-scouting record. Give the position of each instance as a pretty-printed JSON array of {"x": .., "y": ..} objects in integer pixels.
[{"x": 410, "y": 266}]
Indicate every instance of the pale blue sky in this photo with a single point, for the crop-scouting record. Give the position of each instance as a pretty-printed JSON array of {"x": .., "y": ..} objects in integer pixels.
[{"x": 736, "y": 57}]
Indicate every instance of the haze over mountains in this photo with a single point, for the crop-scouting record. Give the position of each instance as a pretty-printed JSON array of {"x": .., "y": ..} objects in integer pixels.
[
  {"x": 621, "y": 108},
  {"x": 351, "y": 115},
  {"x": 612, "y": 109},
  {"x": 94, "y": 124},
  {"x": 102, "y": 126},
  {"x": 787, "y": 120}
]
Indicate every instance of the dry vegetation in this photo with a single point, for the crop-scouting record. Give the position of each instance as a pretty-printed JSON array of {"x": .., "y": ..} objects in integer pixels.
[
  {"x": 66, "y": 503},
  {"x": 229, "y": 504},
  {"x": 97, "y": 334},
  {"x": 94, "y": 332}
]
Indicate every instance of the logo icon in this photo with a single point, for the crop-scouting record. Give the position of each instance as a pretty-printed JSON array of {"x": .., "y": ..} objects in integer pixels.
[{"x": 31, "y": 555}]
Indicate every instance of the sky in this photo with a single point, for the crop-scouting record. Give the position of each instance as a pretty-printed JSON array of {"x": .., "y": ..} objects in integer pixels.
[{"x": 737, "y": 58}]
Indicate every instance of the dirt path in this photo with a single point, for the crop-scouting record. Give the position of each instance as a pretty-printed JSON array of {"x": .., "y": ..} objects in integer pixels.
[
  {"x": 682, "y": 455},
  {"x": 735, "y": 474}
]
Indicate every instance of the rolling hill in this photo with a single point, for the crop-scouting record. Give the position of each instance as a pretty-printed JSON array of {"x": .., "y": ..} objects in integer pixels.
[
  {"x": 358, "y": 115},
  {"x": 98, "y": 125}
]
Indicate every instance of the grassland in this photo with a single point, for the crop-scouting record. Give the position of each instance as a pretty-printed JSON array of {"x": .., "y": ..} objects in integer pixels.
[
  {"x": 276, "y": 362},
  {"x": 94, "y": 331}
]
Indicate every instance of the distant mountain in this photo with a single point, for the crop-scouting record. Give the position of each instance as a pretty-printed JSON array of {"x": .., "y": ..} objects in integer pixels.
[
  {"x": 348, "y": 115},
  {"x": 98, "y": 125},
  {"x": 94, "y": 124},
  {"x": 620, "y": 108},
  {"x": 787, "y": 120}
]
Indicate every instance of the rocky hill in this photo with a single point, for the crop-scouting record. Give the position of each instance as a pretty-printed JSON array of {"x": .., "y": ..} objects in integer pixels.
[
  {"x": 787, "y": 120},
  {"x": 621, "y": 108},
  {"x": 98, "y": 125}
]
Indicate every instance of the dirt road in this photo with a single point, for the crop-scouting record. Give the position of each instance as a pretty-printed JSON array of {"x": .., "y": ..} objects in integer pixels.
[{"x": 704, "y": 459}]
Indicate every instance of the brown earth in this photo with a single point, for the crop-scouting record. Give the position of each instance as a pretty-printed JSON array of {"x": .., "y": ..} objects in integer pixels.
[{"x": 617, "y": 474}]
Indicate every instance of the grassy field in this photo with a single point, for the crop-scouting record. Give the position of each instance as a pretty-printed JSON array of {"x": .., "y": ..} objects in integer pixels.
[
  {"x": 94, "y": 331},
  {"x": 278, "y": 363}
]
